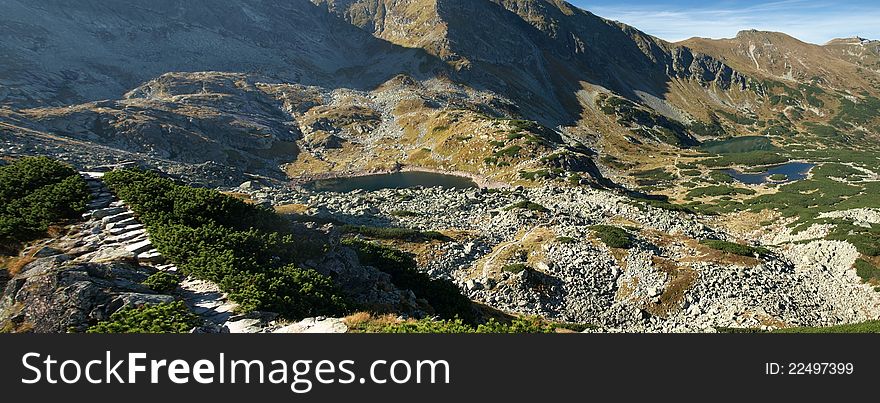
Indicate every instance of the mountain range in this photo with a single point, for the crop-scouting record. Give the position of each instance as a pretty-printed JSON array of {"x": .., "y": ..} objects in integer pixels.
[{"x": 249, "y": 83}]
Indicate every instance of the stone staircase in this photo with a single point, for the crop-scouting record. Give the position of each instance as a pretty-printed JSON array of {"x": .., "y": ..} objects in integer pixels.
[
  {"x": 116, "y": 234},
  {"x": 111, "y": 232}
]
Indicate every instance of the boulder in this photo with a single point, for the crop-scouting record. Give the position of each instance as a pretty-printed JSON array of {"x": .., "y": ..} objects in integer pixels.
[{"x": 315, "y": 325}]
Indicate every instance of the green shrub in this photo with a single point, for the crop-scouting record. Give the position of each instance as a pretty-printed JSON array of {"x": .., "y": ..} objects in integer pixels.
[
  {"x": 864, "y": 327},
  {"x": 751, "y": 158},
  {"x": 162, "y": 282},
  {"x": 666, "y": 205},
  {"x": 527, "y": 205},
  {"x": 735, "y": 145},
  {"x": 247, "y": 250},
  {"x": 867, "y": 271},
  {"x": 735, "y": 248},
  {"x": 36, "y": 192},
  {"x": 512, "y": 152},
  {"x": 566, "y": 240},
  {"x": 515, "y": 268},
  {"x": 614, "y": 237},
  {"x": 719, "y": 176},
  {"x": 394, "y": 233},
  {"x": 443, "y": 295},
  {"x": 711, "y": 191},
  {"x": 171, "y": 317}
]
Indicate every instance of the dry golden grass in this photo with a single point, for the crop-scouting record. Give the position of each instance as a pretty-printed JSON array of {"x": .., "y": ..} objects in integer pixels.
[
  {"x": 707, "y": 254},
  {"x": 745, "y": 222},
  {"x": 407, "y": 106},
  {"x": 681, "y": 279},
  {"x": 528, "y": 243},
  {"x": 362, "y": 320},
  {"x": 291, "y": 209},
  {"x": 15, "y": 264}
]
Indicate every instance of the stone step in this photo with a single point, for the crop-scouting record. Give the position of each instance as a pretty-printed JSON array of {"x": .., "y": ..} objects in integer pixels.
[
  {"x": 167, "y": 267},
  {"x": 124, "y": 223},
  {"x": 92, "y": 174},
  {"x": 151, "y": 256},
  {"x": 130, "y": 236},
  {"x": 118, "y": 230},
  {"x": 107, "y": 212},
  {"x": 120, "y": 216},
  {"x": 99, "y": 203},
  {"x": 139, "y": 247}
]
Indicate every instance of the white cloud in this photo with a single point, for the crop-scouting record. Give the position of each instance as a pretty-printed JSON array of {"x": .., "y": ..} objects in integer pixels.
[{"x": 809, "y": 21}]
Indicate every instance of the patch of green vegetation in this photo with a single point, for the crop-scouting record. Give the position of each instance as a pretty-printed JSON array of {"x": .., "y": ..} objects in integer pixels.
[
  {"x": 779, "y": 130},
  {"x": 36, "y": 192},
  {"x": 688, "y": 165},
  {"x": 171, "y": 317},
  {"x": 613, "y": 237},
  {"x": 405, "y": 234},
  {"x": 737, "y": 145},
  {"x": 442, "y": 295},
  {"x": 656, "y": 174},
  {"x": 566, "y": 240},
  {"x": 737, "y": 118},
  {"x": 691, "y": 172},
  {"x": 864, "y": 327},
  {"x": 247, "y": 250},
  {"x": 720, "y": 176},
  {"x": 735, "y": 248},
  {"x": 867, "y": 271},
  {"x": 515, "y": 268},
  {"x": 162, "y": 282},
  {"x": 512, "y": 152},
  {"x": 721, "y": 190},
  {"x": 778, "y": 177},
  {"x": 812, "y": 94},
  {"x": 711, "y": 129},
  {"x": 751, "y": 158},
  {"x": 822, "y": 130},
  {"x": 541, "y": 174},
  {"x": 862, "y": 112},
  {"x": 646, "y": 122},
  {"x": 527, "y": 205},
  {"x": 840, "y": 171}
]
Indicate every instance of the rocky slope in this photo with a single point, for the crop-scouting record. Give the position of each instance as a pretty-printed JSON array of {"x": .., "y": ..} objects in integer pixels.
[
  {"x": 60, "y": 53},
  {"x": 667, "y": 282}
]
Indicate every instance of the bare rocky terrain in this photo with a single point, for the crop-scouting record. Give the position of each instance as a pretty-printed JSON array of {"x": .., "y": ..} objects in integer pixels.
[{"x": 668, "y": 282}]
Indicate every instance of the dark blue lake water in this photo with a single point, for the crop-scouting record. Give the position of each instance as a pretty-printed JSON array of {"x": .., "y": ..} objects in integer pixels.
[
  {"x": 397, "y": 180},
  {"x": 794, "y": 171}
]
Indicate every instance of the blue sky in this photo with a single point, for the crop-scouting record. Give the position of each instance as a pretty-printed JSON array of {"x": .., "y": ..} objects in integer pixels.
[{"x": 815, "y": 21}]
